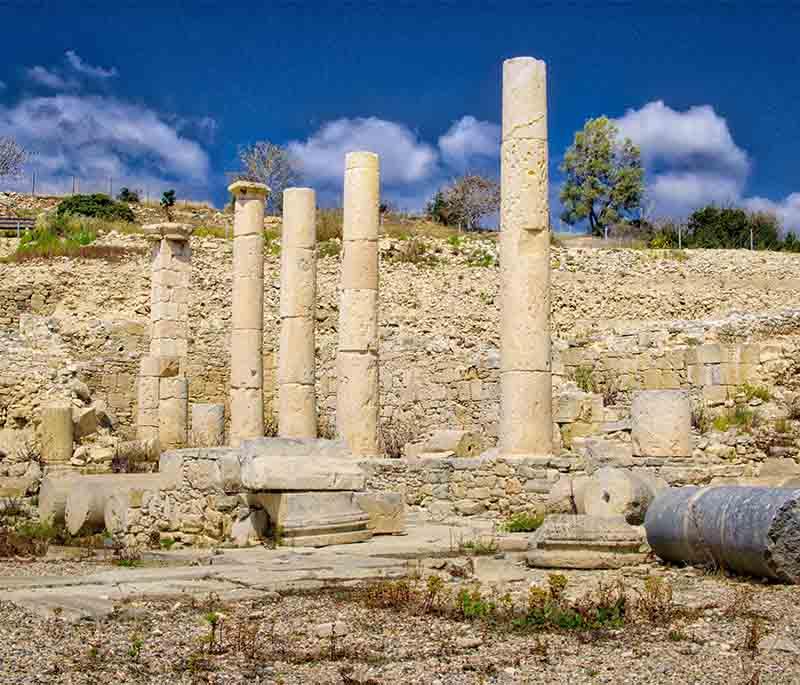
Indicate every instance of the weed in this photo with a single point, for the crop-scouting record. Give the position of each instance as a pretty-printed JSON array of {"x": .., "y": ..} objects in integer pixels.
[
  {"x": 395, "y": 434},
  {"x": 753, "y": 635},
  {"x": 471, "y": 604},
  {"x": 655, "y": 601},
  {"x": 127, "y": 557},
  {"x": 523, "y": 522},
  {"x": 212, "y": 232},
  {"x": 756, "y": 392},
  {"x": 167, "y": 543},
  {"x": 414, "y": 251},
  {"x": 701, "y": 420},
  {"x": 214, "y": 637},
  {"x": 329, "y": 224},
  {"x": 741, "y": 417},
  {"x": 478, "y": 547},
  {"x": 329, "y": 248},
  {"x": 677, "y": 635},
  {"x": 135, "y": 649},
  {"x": 782, "y": 426},
  {"x": 584, "y": 378}
]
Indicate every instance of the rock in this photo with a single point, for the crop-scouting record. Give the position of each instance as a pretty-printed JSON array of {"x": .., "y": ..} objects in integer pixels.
[
  {"x": 458, "y": 442},
  {"x": 661, "y": 423},
  {"x": 468, "y": 642},
  {"x": 566, "y": 496},
  {"x": 586, "y": 542},
  {"x": 299, "y": 473},
  {"x": 614, "y": 492},
  {"x": 777, "y": 643},
  {"x": 386, "y": 510},
  {"x": 250, "y": 530},
  {"x": 489, "y": 570},
  {"x": 84, "y": 422},
  {"x": 337, "y": 628},
  {"x": 81, "y": 390}
]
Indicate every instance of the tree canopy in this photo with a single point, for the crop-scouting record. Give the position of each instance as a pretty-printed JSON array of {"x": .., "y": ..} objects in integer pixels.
[
  {"x": 272, "y": 165},
  {"x": 605, "y": 178},
  {"x": 465, "y": 201}
]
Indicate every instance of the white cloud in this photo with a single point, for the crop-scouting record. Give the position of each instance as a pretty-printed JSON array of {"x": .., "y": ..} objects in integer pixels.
[
  {"x": 50, "y": 79},
  {"x": 94, "y": 137},
  {"x": 82, "y": 67},
  {"x": 467, "y": 139},
  {"x": 690, "y": 156},
  {"x": 404, "y": 159},
  {"x": 3, "y": 85},
  {"x": 787, "y": 210}
]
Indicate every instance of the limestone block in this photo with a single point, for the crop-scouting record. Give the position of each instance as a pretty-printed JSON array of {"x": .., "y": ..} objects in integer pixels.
[
  {"x": 247, "y": 364},
  {"x": 171, "y": 330},
  {"x": 299, "y": 219},
  {"x": 298, "y": 282},
  {"x": 173, "y": 389},
  {"x": 359, "y": 265},
  {"x": 361, "y": 193},
  {"x": 318, "y": 448},
  {"x": 715, "y": 395},
  {"x": 458, "y": 442},
  {"x": 249, "y": 207},
  {"x": 173, "y": 421},
  {"x": 57, "y": 434},
  {"x": 251, "y": 530},
  {"x": 661, "y": 423},
  {"x": 247, "y": 414},
  {"x": 297, "y": 412},
  {"x": 247, "y": 303},
  {"x": 386, "y": 511},
  {"x": 294, "y": 473},
  {"x": 526, "y": 396},
  {"x": 84, "y": 422},
  {"x": 358, "y": 330},
  {"x": 566, "y": 495},
  {"x": 15, "y": 488},
  {"x": 137, "y": 450},
  {"x": 159, "y": 367},
  {"x": 524, "y": 92},
  {"x": 357, "y": 401},
  {"x": 315, "y": 519},
  {"x": 148, "y": 392},
  {"x": 168, "y": 231},
  {"x": 203, "y": 474},
  {"x": 169, "y": 347},
  {"x": 248, "y": 257},
  {"x": 704, "y": 354},
  {"x": 296, "y": 361},
  {"x": 208, "y": 425},
  {"x": 586, "y": 542},
  {"x": 614, "y": 492}
]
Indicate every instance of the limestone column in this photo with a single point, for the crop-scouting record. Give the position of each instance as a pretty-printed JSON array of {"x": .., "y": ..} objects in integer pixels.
[
  {"x": 526, "y": 424},
  {"x": 247, "y": 365},
  {"x": 57, "y": 435},
  {"x": 208, "y": 425},
  {"x": 297, "y": 411},
  {"x": 357, "y": 402}
]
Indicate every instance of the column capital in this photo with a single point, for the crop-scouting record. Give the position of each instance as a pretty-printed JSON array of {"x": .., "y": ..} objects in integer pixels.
[{"x": 248, "y": 188}]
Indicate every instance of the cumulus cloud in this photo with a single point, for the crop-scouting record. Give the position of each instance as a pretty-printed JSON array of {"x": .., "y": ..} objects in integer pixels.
[
  {"x": 82, "y": 67},
  {"x": 468, "y": 139},
  {"x": 690, "y": 156},
  {"x": 787, "y": 210},
  {"x": 50, "y": 78},
  {"x": 96, "y": 137},
  {"x": 404, "y": 158}
]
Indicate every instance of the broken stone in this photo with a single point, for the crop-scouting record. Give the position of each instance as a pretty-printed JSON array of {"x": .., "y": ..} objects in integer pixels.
[
  {"x": 386, "y": 511},
  {"x": 84, "y": 422}
]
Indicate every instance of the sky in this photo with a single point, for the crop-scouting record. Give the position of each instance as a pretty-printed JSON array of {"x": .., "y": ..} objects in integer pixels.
[{"x": 157, "y": 95}]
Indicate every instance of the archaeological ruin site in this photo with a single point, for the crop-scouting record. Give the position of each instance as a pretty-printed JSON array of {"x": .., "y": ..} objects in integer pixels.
[{"x": 248, "y": 459}]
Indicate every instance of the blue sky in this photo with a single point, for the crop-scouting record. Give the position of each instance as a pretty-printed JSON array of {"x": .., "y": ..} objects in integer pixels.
[{"x": 160, "y": 95}]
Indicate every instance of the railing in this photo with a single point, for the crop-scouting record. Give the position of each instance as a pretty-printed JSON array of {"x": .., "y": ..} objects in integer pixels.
[{"x": 12, "y": 225}]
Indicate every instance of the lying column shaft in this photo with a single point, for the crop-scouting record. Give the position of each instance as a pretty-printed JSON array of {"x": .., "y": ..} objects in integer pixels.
[
  {"x": 358, "y": 404},
  {"x": 297, "y": 411},
  {"x": 526, "y": 424},
  {"x": 247, "y": 366}
]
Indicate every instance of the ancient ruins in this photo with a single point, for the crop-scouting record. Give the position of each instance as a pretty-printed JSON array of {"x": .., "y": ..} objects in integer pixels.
[{"x": 616, "y": 436}]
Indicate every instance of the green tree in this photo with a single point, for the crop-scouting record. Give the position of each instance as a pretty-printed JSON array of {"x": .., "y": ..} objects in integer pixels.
[
  {"x": 96, "y": 205},
  {"x": 127, "y": 195},
  {"x": 605, "y": 178},
  {"x": 732, "y": 228},
  {"x": 168, "y": 202}
]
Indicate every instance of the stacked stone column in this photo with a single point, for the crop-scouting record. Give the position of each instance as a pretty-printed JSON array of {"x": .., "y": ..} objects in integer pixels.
[
  {"x": 247, "y": 365},
  {"x": 297, "y": 412},
  {"x": 163, "y": 389},
  {"x": 526, "y": 424},
  {"x": 357, "y": 408}
]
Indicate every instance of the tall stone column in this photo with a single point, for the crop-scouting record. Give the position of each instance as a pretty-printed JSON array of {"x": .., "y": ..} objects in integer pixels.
[
  {"x": 526, "y": 424},
  {"x": 247, "y": 365},
  {"x": 357, "y": 402},
  {"x": 297, "y": 411}
]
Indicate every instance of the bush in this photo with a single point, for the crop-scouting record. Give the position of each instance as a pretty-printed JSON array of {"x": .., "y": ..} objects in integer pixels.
[
  {"x": 523, "y": 522},
  {"x": 96, "y": 205},
  {"x": 329, "y": 224},
  {"x": 128, "y": 195}
]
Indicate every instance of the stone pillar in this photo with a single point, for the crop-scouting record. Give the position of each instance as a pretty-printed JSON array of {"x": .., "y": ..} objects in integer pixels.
[
  {"x": 297, "y": 411},
  {"x": 208, "y": 425},
  {"x": 170, "y": 263},
  {"x": 57, "y": 436},
  {"x": 357, "y": 402},
  {"x": 173, "y": 412},
  {"x": 247, "y": 364},
  {"x": 526, "y": 424}
]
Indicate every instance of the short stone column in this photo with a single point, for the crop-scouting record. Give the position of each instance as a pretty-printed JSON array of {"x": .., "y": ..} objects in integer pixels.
[
  {"x": 247, "y": 364},
  {"x": 526, "y": 423},
  {"x": 297, "y": 411},
  {"x": 57, "y": 435},
  {"x": 173, "y": 412},
  {"x": 170, "y": 264},
  {"x": 357, "y": 402},
  {"x": 661, "y": 423},
  {"x": 208, "y": 425}
]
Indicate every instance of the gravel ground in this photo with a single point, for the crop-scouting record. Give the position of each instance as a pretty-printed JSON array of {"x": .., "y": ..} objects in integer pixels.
[{"x": 276, "y": 640}]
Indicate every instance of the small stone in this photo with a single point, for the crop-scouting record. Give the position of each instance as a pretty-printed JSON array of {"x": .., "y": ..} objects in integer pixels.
[
  {"x": 337, "y": 628},
  {"x": 468, "y": 642}
]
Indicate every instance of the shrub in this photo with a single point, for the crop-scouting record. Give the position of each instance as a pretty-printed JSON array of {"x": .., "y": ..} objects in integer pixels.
[
  {"x": 584, "y": 378},
  {"x": 329, "y": 224},
  {"x": 168, "y": 202},
  {"x": 329, "y": 248},
  {"x": 414, "y": 251},
  {"x": 756, "y": 391},
  {"x": 128, "y": 195},
  {"x": 523, "y": 522},
  {"x": 96, "y": 205}
]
